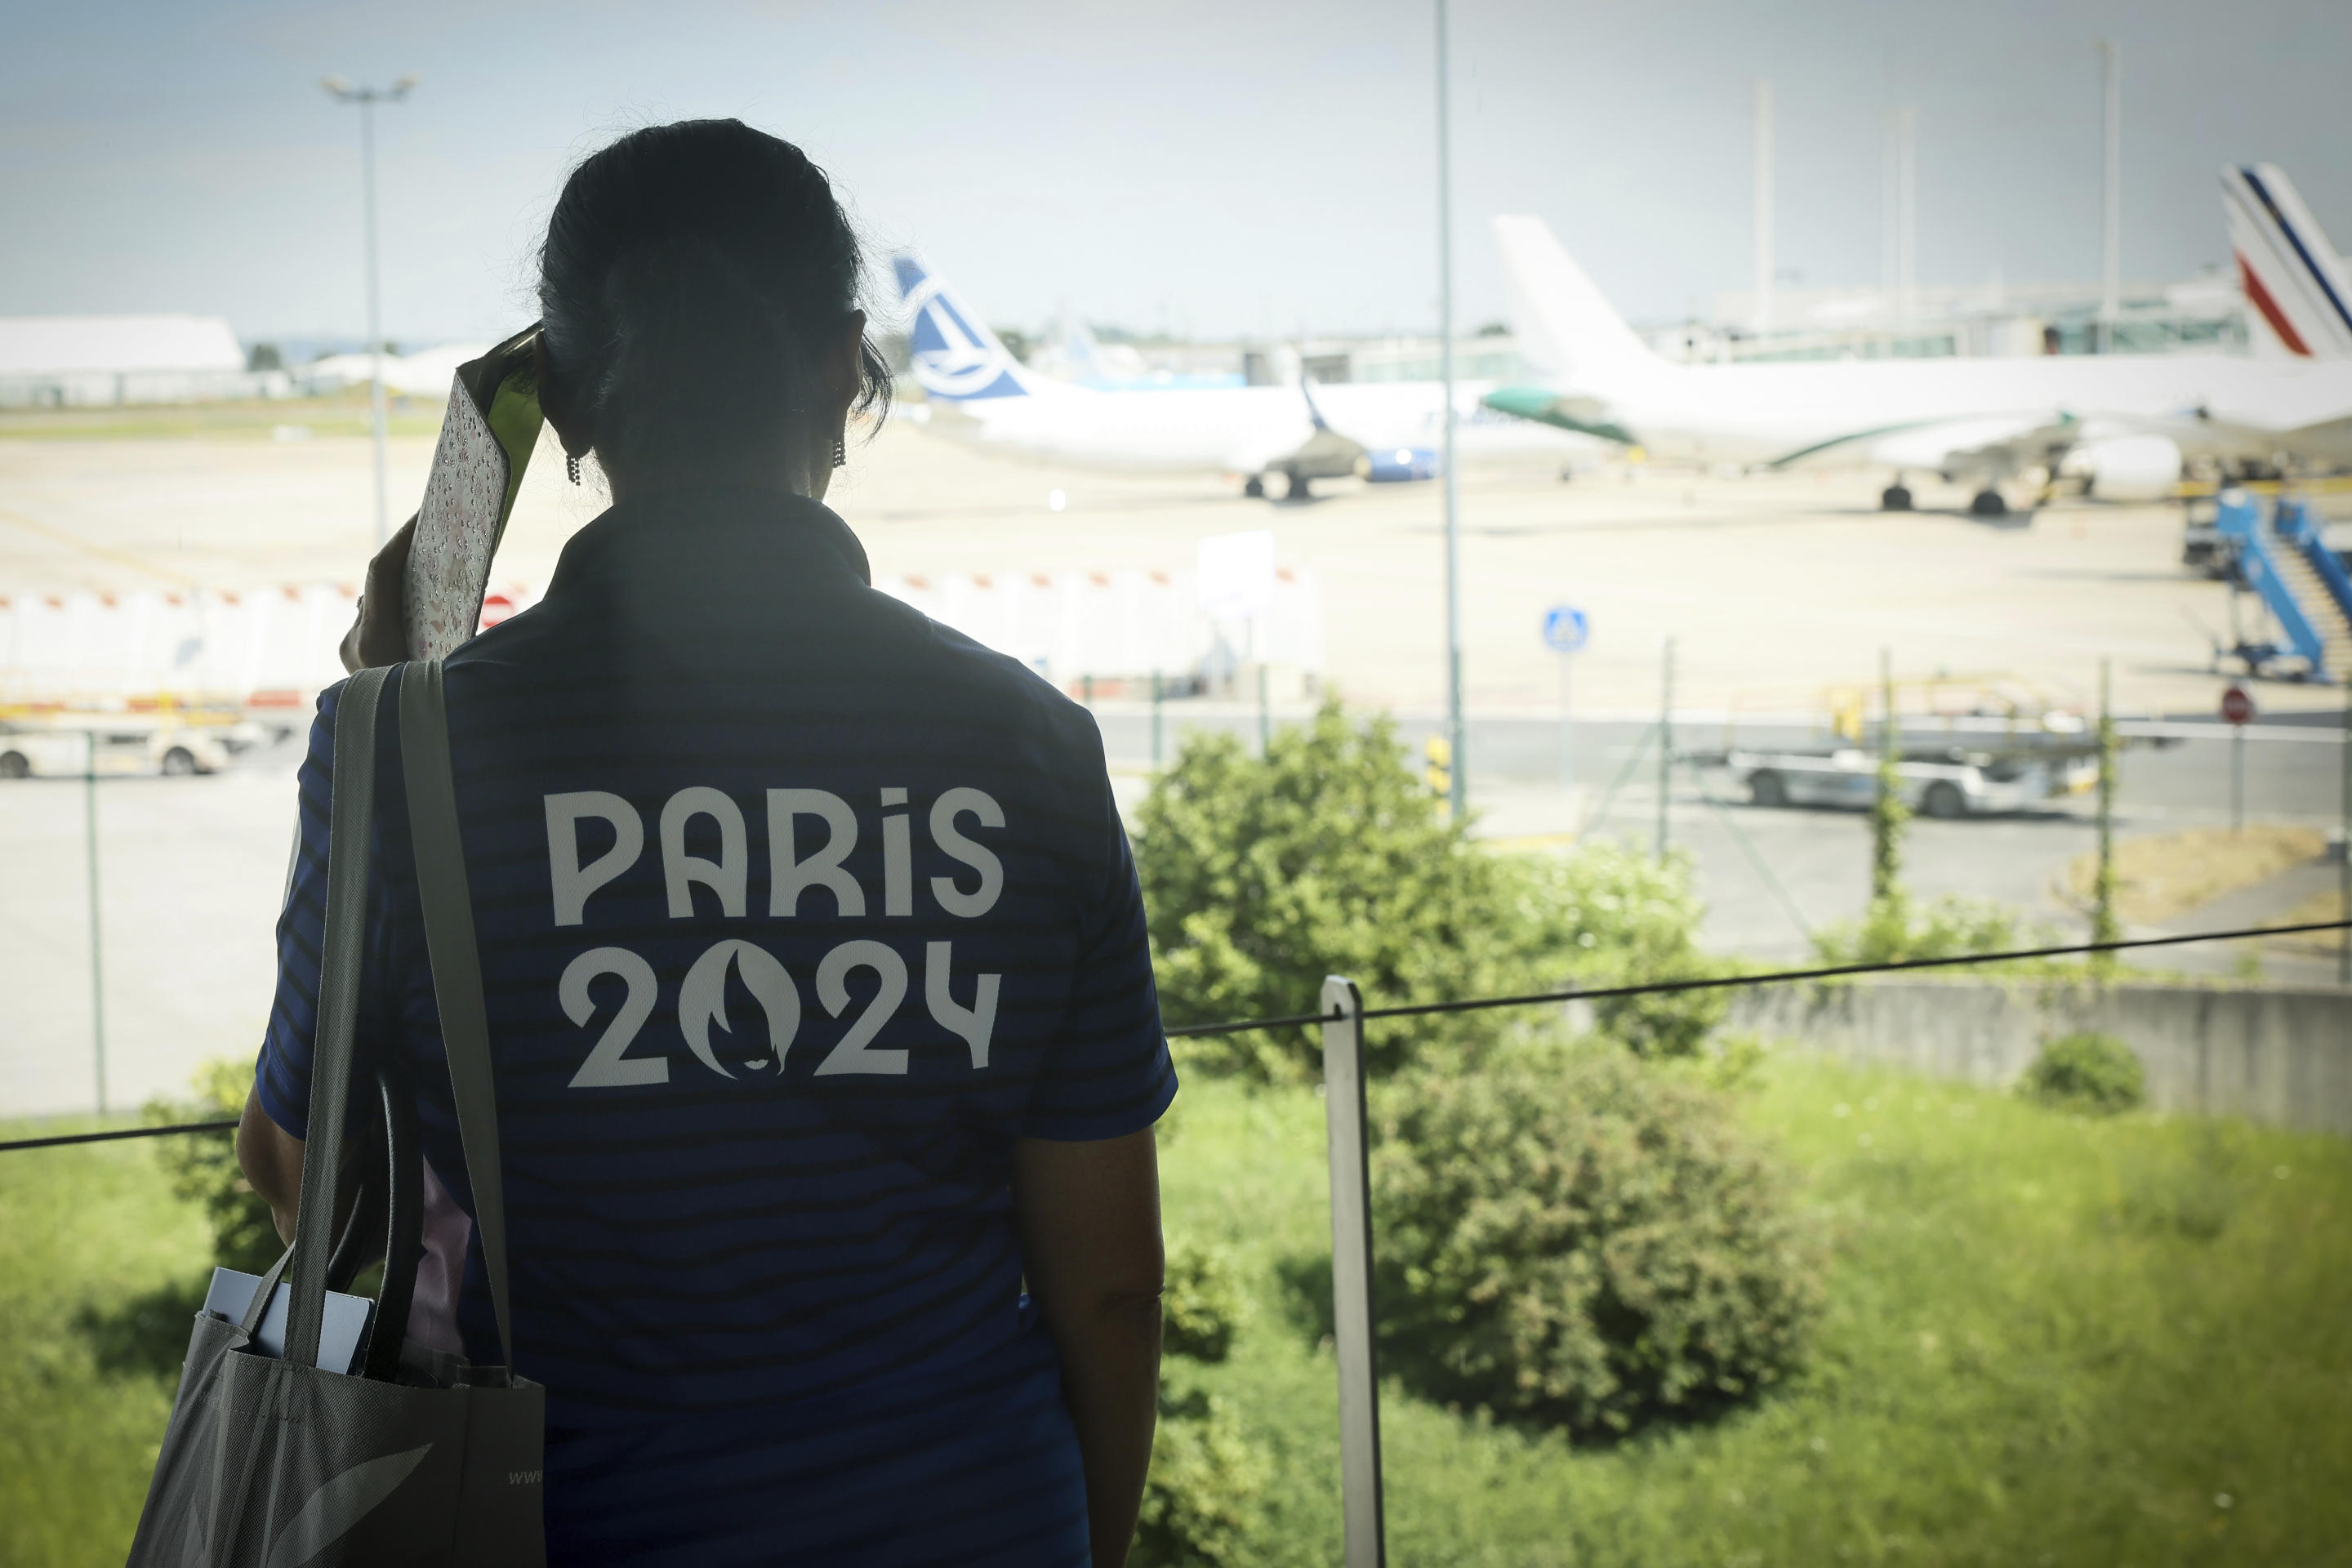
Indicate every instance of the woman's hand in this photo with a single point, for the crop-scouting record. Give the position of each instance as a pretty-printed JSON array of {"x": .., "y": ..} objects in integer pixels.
[{"x": 379, "y": 634}]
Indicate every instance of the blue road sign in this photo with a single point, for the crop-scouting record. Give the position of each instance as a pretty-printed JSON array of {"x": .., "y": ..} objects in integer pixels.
[{"x": 1566, "y": 630}]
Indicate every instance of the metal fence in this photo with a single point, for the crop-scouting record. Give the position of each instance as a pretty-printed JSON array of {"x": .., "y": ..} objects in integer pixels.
[{"x": 1341, "y": 1016}]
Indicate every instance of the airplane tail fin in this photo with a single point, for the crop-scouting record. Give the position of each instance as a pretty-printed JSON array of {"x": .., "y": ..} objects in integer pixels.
[
  {"x": 957, "y": 358},
  {"x": 1567, "y": 329},
  {"x": 2292, "y": 277}
]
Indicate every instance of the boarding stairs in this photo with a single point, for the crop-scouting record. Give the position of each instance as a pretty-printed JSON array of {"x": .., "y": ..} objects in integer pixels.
[{"x": 2298, "y": 579}]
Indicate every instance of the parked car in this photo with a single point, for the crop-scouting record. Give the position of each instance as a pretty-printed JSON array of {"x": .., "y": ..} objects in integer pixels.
[{"x": 115, "y": 744}]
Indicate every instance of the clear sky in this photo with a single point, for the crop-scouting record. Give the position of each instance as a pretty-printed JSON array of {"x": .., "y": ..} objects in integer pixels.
[{"x": 1207, "y": 165}]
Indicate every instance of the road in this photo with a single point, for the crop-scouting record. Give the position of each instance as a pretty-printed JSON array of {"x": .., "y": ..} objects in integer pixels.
[{"x": 1774, "y": 589}]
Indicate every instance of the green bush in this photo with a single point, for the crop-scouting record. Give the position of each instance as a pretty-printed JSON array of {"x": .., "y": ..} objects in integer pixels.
[
  {"x": 147, "y": 1333},
  {"x": 1200, "y": 1309},
  {"x": 1326, "y": 857},
  {"x": 1626, "y": 918},
  {"x": 1329, "y": 856},
  {"x": 1894, "y": 929},
  {"x": 2093, "y": 1073},
  {"x": 1199, "y": 1503},
  {"x": 1574, "y": 1238},
  {"x": 202, "y": 1167}
]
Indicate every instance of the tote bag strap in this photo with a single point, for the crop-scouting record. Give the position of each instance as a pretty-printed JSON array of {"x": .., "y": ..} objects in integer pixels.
[
  {"x": 342, "y": 950},
  {"x": 456, "y": 963}
]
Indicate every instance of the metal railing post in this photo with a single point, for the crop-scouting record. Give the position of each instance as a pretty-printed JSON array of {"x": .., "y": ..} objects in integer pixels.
[
  {"x": 97, "y": 946},
  {"x": 1351, "y": 1274}
]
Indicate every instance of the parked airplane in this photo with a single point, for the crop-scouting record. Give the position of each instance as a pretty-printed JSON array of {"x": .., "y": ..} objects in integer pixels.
[
  {"x": 2125, "y": 417},
  {"x": 1383, "y": 432},
  {"x": 2295, "y": 281}
]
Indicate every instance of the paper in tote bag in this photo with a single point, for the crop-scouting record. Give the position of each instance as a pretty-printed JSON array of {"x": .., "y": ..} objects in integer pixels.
[{"x": 274, "y": 1461}]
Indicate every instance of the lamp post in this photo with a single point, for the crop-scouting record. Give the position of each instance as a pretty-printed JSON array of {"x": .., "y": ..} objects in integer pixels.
[
  {"x": 2111, "y": 191},
  {"x": 367, "y": 98},
  {"x": 1459, "y": 786}
]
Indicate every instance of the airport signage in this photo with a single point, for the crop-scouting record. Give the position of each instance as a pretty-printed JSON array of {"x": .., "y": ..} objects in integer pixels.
[
  {"x": 1566, "y": 630},
  {"x": 2237, "y": 706}
]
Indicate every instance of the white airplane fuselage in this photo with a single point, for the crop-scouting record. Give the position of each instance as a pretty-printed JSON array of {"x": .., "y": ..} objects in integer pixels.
[
  {"x": 1860, "y": 410},
  {"x": 1988, "y": 419}
]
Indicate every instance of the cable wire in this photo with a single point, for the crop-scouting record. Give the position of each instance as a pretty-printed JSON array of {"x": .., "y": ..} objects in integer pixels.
[
  {"x": 1425, "y": 1009},
  {"x": 119, "y": 1134},
  {"x": 1780, "y": 976}
]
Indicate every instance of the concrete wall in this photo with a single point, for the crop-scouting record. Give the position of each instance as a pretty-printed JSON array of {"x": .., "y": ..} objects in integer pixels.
[{"x": 2270, "y": 1054}]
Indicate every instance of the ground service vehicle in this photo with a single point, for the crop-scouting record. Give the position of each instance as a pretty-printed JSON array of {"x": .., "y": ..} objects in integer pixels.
[
  {"x": 1946, "y": 782},
  {"x": 174, "y": 744}
]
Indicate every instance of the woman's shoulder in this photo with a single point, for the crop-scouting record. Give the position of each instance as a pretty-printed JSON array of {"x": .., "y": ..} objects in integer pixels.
[{"x": 981, "y": 673}]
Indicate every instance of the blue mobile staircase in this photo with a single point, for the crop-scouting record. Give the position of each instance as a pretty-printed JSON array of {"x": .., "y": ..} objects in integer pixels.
[{"x": 2298, "y": 579}]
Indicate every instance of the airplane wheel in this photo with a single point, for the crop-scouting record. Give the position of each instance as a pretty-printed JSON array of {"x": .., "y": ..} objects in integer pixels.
[
  {"x": 1988, "y": 503},
  {"x": 1766, "y": 788},
  {"x": 1254, "y": 488},
  {"x": 1301, "y": 488},
  {"x": 13, "y": 765},
  {"x": 1895, "y": 498},
  {"x": 1944, "y": 800},
  {"x": 179, "y": 762}
]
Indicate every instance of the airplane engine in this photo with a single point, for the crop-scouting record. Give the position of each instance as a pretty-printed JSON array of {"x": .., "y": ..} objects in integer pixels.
[
  {"x": 1397, "y": 465},
  {"x": 2127, "y": 468}
]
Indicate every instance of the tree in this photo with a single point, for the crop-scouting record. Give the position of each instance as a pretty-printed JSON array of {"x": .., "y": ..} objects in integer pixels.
[{"x": 1328, "y": 856}]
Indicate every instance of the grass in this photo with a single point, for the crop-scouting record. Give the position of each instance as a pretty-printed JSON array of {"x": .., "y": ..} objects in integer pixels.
[
  {"x": 2326, "y": 906},
  {"x": 2050, "y": 1341},
  {"x": 343, "y": 413},
  {"x": 2167, "y": 874},
  {"x": 92, "y": 1228}
]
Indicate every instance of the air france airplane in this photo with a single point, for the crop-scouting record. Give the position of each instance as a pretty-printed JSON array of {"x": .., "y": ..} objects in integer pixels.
[
  {"x": 2126, "y": 418},
  {"x": 2294, "y": 280},
  {"x": 1380, "y": 431}
]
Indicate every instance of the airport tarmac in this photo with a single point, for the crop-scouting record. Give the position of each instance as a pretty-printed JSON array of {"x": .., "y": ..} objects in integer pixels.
[{"x": 1774, "y": 589}]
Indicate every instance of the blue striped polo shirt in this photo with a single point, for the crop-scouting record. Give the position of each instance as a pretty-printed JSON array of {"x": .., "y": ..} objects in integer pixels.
[{"x": 796, "y": 912}]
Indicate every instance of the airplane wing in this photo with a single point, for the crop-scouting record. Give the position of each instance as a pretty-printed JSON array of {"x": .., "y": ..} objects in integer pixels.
[
  {"x": 1324, "y": 455},
  {"x": 2326, "y": 443},
  {"x": 1992, "y": 448},
  {"x": 1585, "y": 415}
]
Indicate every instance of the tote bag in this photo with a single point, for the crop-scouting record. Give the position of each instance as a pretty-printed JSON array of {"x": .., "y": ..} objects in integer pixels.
[{"x": 274, "y": 1461}]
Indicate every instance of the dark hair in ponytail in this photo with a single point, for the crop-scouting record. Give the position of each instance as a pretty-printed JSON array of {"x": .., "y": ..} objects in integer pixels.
[{"x": 692, "y": 278}]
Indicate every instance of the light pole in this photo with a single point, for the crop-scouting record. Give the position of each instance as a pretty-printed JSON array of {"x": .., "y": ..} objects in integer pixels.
[
  {"x": 1458, "y": 795},
  {"x": 1763, "y": 304},
  {"x": 2111, "y": 191},
  {"x": 367, "y": 98}
]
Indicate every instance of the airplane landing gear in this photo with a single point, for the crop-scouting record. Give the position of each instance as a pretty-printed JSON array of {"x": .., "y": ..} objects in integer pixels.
[
  {"x": 1895, "y": 497},
  {"x": 1254, "y": 487},
  {"x": 1301, "y": 488},
  {"x": 1987, "y": 502}
]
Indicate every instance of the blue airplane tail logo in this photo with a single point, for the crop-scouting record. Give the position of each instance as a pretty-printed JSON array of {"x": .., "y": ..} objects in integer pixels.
[{"x": 955, "y": 357}]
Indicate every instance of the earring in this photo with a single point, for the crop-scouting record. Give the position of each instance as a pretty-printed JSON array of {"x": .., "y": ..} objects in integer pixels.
[
  {"x": 840, "y": 453},
  {"x": 571, "y": 466}
]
